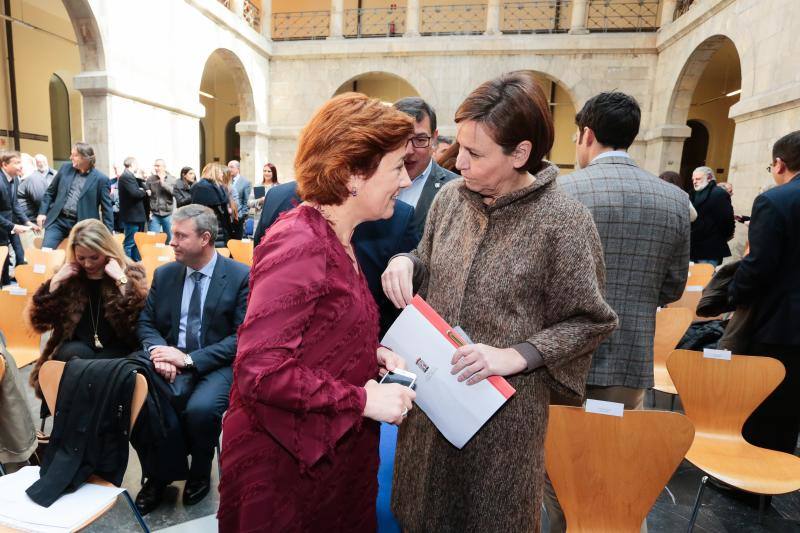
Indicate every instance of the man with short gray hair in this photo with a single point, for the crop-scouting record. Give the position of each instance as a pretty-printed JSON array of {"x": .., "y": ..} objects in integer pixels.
[
  {"x": 32, "y": 189},
  {"x": 188, "y": 327},
  {"x": 714, "y": 225}
]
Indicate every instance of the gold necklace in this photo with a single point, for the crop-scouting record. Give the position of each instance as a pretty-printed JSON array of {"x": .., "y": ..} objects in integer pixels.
[{"x": 95, "y": 321}]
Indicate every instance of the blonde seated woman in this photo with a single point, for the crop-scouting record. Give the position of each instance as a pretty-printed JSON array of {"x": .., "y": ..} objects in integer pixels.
[{"x": 92, "y": 303}]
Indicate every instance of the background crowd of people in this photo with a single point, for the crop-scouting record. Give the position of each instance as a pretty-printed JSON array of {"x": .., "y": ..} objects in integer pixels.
[{"x": 557, "y": 280}]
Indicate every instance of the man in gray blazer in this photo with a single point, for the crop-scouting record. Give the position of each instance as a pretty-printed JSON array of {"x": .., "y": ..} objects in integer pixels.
[
  {"x": 427, "y": 177},
  {"x": 644, "y": 226},
  {"x": 241, "y": 187}
]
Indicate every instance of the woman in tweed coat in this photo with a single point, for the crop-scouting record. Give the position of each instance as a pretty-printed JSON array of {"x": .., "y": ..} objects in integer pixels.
[{"x": 518, "y": 264}]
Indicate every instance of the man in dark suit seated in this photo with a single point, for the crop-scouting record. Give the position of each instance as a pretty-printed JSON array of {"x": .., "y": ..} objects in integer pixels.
[
  {"x": 77, "y": 192},
  {"x": 188, "y": 327},
  {"x": 375, "y": 242}
]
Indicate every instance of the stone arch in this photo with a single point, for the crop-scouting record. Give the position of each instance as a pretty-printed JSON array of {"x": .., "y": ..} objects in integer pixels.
[
  {"x": 401, "y": 87},
  {"x": 241, "y": 81},
  {"x": 354, "y": 69},
  {"x": 87, "y": 33},
  {"x": 689, "y": 76}
]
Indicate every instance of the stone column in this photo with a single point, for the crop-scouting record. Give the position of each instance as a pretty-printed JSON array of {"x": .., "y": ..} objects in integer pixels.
[
  {"x": 665, "y": 146},
  {"x": 337, "y": 19},
  {"x": 580, "y": 15},
  {"x": 254, "y": 144},
  {"x": 668, "y": 11},
  {"x": 493, "y": 18},
  {"x": 412, "y": 19},
  {"x": 237, "y": 6},
  {"x": 266, "y": 19}
]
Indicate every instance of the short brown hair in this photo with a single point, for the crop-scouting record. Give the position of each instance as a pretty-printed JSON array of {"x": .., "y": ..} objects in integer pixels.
[
  {"x": 347, "y": 136},
  {"x": 7, "y": 155},
  {"x": 513, "y": 108}
]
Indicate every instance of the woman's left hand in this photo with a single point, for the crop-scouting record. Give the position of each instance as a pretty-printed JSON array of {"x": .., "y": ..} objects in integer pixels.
[
  {"x": 478, "y": 361},
  {"x": 388, "y": 361},
  {"x": 113, "y": 269}
]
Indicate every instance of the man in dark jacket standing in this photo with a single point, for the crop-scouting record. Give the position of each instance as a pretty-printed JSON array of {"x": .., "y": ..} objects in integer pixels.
[
  {"x": 768, "y": 281},
  {"x": 79, "y": 191},
  {"x": 132, "y": 215},
  {"x": 714, "y": 226},
  {"x": 10, "y": 209}
]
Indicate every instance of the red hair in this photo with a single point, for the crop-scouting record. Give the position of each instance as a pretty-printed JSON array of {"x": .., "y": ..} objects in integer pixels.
[{"x": 347, "y": 136}]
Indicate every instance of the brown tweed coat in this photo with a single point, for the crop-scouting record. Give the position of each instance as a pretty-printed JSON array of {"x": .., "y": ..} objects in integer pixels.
[
  {"x": 61, "y": 311},
  {"x": 528, "y": 268}
]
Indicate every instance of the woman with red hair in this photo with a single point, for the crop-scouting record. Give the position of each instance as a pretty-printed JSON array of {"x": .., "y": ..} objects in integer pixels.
[{"x": 300, "y": 439}]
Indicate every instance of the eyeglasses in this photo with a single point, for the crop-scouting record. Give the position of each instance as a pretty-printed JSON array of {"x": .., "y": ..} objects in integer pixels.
[{"x": 421, "y": 141}]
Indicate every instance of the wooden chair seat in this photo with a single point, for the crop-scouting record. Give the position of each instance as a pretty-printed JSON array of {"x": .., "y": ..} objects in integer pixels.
[
  {"x": 739, "y": 463},
  {"x": 30, "y": 280}
]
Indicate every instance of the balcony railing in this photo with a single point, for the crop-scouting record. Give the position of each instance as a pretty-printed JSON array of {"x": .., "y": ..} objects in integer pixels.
[
  {"x": 252, "y": 14},
  {"x": 375, "y": 22},
  {"x": 226, "y": 3},
  {"x": 467, "y": 19},
  {"x": 540, "y": 16},
  {"x": 682, "y": 7},
  {"x": 623, "y": 15},
  {"x": 301, "y": 25}
]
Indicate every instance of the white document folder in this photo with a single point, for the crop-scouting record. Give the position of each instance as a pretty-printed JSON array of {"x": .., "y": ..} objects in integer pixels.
[{"x": 427, "y": 344}]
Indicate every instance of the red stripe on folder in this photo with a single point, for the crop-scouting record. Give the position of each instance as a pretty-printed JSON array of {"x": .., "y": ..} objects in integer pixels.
[{"x": 498, "y": 382}]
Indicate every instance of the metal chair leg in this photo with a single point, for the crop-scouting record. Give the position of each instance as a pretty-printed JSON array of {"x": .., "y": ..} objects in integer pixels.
[
  {"x": 2, "y": 470},
  {"x": 696, "y": 509},
  {"x": 219, "y": 460},
  {"x": 762, "y": 504},
  {"x": 672, "y": 407},
  {"x": 136, "y": 512}
]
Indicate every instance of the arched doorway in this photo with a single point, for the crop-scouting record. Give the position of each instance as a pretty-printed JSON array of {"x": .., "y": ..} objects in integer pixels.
[
  {"x": 695, "y": 150},
  {"x": 563, "y": 109},
  {"x": 227, "y": 96},
  {"x": 381, "y": 85},
  {"x": 710, "y": 83}
]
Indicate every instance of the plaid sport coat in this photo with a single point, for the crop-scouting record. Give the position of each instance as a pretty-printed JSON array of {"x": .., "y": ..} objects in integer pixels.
[{"x": 644, "y": 226}]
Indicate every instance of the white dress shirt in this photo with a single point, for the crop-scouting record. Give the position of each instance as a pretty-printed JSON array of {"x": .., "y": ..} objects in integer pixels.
[{"x": 410, "y": 195}]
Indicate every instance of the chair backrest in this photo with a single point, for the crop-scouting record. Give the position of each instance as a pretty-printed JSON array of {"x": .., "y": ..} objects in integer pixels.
[
  {"x": 3, "y": 255},
  {"x": 50, "y": 379},
  {"x": 671, "y": 324},
  {"x": 2, "y": 367},
  {"x": 37, "y": 242},
  {"x": 241, "y": 250},
  {"x": 120, "y": 238},
  {"x": 29, "y": 279},
  {"x": 143, "y": 238},
  {"x": 224, "y": 252},
  {"x": 21, "y": 341},
  {"x": 608, "y": 471},
  {"x": 719, "y": 395},
  {"x": 51, "y": 259},
  {"x": 156, "y": 250},
  {"x": 689, "y": 300},
  {"x": 700, "y": 274},
  {"x": 152, "y": 262}
]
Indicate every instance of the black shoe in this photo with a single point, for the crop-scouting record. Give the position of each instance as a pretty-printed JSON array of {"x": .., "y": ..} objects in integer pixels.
[
  {"x": 196, "y": 490},
  {"x": 150, "y": 496}
]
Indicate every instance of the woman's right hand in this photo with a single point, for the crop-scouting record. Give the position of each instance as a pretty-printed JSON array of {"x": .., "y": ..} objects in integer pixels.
[
  {"x": 64, "y": 273},
  {"x": 397, "y": 281},
  {"x": 388, "y": 402}
]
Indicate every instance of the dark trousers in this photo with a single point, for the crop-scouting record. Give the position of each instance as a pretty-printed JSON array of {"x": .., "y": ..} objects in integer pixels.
[
  {"x": 775, "y": 423},
  {"x": 57, "y": 232},
  {"x": 19, "y": 252},
  {"x": 129, "y": 244},
  {"x": 198, "y": 431},
  {"x": 5, "y": 277}
]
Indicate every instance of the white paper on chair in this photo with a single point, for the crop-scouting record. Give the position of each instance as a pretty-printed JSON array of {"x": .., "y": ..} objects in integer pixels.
[{"x": 18, "y": 511}]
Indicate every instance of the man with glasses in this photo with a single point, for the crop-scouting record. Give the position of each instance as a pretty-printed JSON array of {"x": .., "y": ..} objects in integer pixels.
[
  {"x": 427, "y": 177},
  {"x": 768, "y": 282}
]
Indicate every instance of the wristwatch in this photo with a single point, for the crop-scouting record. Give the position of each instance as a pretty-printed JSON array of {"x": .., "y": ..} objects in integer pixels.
[
  {"x": 123, "y": 279},
  {"x": 187, "y": 361}
]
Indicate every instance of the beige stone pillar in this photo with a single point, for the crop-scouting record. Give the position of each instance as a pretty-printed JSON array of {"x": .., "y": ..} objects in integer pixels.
[
  {"x": 668, "y": 11},
  {"x": 237, "y": 6},
  {"x": 412, "y": 19},
  {"x": 266, "y": 18},
  {"x": 337, "y": 20},
  {"x": 493, "y": 18},
  {"x": 580, "y": 15}
]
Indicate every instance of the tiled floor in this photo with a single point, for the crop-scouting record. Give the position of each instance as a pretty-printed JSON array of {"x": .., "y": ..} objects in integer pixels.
[{"x": 720, "y": 512}]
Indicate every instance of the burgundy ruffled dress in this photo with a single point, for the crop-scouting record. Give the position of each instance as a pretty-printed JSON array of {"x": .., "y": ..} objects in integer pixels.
[{"x": 297, "y": 454}]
